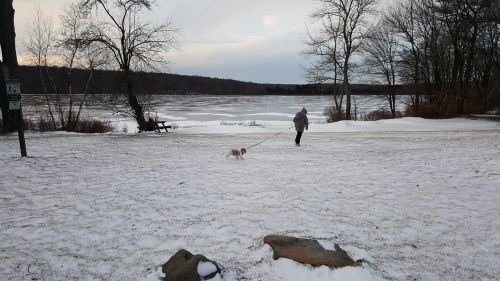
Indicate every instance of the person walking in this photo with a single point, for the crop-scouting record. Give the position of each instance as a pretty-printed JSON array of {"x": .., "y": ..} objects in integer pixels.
[{"x": 301, "y": 122}]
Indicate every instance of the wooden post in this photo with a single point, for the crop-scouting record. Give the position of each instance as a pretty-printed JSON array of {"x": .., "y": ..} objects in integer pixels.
[{"x": 20, "y": 134}]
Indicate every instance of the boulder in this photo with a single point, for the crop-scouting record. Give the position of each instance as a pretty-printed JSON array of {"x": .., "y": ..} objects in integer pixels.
[
  {"x": 183, "y": 266},
  {"x": 308, "y": 251}
]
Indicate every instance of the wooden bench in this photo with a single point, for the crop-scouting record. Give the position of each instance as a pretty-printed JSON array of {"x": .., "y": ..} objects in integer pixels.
[{"x": 161, "y": 125}]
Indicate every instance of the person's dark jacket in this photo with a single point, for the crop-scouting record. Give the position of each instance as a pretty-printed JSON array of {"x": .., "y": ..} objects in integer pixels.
[{"x": 301, "y": 121}]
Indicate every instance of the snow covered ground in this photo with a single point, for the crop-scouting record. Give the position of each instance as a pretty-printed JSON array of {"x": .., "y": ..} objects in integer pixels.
[{"x": 418, "y": 199}]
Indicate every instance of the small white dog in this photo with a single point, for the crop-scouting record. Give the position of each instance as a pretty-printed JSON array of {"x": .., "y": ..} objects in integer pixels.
[{"x": 238, "y": 153}]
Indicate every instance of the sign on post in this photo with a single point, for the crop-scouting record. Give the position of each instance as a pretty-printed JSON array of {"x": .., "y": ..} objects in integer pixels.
[
  {"x": 13, "y": 89},
  {"x": 14, "y": 105},
  {"x": 14, "y": 94}
]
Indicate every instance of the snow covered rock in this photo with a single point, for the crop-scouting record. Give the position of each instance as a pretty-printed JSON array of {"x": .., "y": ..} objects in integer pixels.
[
  {"x": 308, "y": 251},
  {"x": 207, "y": 270},
  {"x": 184, "y": 266}
]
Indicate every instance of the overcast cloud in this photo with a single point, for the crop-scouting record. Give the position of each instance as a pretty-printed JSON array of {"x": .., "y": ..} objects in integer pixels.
[{"x": 257, "y": 40}]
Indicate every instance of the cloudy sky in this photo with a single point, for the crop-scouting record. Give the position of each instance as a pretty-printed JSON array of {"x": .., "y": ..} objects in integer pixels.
[{"x": 258, "y": 40}]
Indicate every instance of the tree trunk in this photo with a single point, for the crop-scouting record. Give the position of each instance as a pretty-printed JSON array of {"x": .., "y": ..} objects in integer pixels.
[
  {"x": 69, "y": 119},
  {"x": 338, "y": 104},
  {"x": 84, "y": 99},
  {"x": 47, "y": 99},
  {"x": 345, "y": 91},
  {"x": 417, "y": 90},
  {"x": 134, "y": 102},
  {"x": 469, "y": 64},
  {"x": 4, "y": 103},
  {"x": 9, "y": 58}
]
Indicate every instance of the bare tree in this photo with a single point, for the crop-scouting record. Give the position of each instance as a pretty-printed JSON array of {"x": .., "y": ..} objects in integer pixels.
[
  {"x": 348, "y": 18},
  {"x": 403, "y": 20},
  {"x": 464, "y": 20},
  {"x": 38, "y": 45},
  {"x": 93, "y": 58},
  {"x": 76, "y": 51},
  {"x": 324, "y": 48},
  {"x": 487, "y": 66},
  {"x": 381, "y": 49},
  {"x": 447, "y": 51},
  {"x": 68, "y": 48},
  {"x": 134, "y": 44}
]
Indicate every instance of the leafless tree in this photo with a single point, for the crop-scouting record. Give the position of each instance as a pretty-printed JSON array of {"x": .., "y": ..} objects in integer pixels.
[
  {"x": 38, "y": 45},
  {"x": 403, "y": 20},
  {"x": 448, "y": 50},
  {"x": 69, "y": 49},
  {"x": 347, "y": 17},
  {"x": 381, "y": 50},
  {"x": 487, "y": 66},
  {"x": 324, "y": 49},
  {"x": 134, "y": 44},
  {"x": 76, "y": 51},
  {"x": 93, "y": 57},
  {"x": 464, "y": 20}
]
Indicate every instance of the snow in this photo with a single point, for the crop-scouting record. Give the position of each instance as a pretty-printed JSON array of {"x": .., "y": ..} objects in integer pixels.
[
  {"x": 206, "y": 268},
  {"x": 408, "y": 124},
  {"x": 287, "y": 270},
  {"x": 416, "y": 199},
  {"x": 327, "y": 245}
]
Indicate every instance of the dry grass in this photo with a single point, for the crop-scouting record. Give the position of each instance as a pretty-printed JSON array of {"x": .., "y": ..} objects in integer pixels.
[
  {"x": 39, "y": 124},
  {"x": 86, "y": 126},
  {"x": 94, "y": 126}
]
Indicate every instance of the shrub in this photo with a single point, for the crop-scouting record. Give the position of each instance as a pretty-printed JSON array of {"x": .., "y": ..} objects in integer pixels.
[
  {"x": 379, "y": 115},
  {"x": 445, "y": 109},
  {"x": 472, "y": 107},
  {"x": 332, "y": 115}
]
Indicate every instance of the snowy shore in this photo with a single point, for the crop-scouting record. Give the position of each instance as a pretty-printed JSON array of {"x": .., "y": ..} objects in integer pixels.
[
  {"x": 408, "y": 124},
  {"x": 418, "y": 199}
]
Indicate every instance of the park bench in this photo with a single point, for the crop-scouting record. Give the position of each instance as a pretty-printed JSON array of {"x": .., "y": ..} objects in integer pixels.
[{"x": 160, "y": 125}]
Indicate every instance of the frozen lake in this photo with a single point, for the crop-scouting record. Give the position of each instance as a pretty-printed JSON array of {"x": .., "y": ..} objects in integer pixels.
[
  {"x": 259, "y": 108},
  {"x": 204, "y": 108}
]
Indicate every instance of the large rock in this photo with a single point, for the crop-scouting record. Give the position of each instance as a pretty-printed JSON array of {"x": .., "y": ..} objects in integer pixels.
[
  {"x": 183, "y": 266},
  {"x": 308, "y": 251}
]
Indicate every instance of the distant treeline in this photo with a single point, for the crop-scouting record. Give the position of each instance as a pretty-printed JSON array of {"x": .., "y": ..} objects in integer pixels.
[{"x": 147, "y": 83}]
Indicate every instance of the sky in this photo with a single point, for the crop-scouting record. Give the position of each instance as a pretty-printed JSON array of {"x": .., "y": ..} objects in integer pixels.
[{"x": 258, "y": 41}]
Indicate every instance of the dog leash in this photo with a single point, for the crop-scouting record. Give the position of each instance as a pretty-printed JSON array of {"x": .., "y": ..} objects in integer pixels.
[{"x": 270, "y": 137}]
